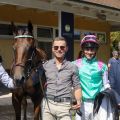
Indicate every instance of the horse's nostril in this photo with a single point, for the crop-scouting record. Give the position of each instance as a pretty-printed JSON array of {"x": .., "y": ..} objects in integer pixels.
[
  {"x": 19, "y": 82},
  {"x": 22, "y": 80}
]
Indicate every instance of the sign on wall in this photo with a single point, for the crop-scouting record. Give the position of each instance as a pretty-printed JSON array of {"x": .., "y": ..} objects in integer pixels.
[{"x": 67, "y": 31}]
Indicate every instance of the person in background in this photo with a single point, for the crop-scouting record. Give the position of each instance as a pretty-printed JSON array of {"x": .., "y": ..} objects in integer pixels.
[
  {"x": 61, "y": 76},
  {"x": 5, "y": 78},
  {"x": 114, "y": 77},
  {"x": 93, "y": 76},
  {"x": 113, "y": 59}
]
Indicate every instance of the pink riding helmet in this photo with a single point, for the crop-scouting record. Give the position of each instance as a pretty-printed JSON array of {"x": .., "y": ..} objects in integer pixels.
[{"x": 89, "y": 38}]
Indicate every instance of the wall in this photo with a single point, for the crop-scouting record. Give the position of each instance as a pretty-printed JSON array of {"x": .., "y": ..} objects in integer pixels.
[{"x": 6, "y": 52}]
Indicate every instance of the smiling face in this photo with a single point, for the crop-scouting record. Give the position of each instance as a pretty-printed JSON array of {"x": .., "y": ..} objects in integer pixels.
[
  {"x": 59, "y": 48},
  {"x": 89, "y": 53},
  {"x": 89, "y": 49}
]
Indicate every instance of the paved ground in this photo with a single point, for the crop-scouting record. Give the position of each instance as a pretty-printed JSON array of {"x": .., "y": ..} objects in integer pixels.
[{"x": 6, "y": 108}]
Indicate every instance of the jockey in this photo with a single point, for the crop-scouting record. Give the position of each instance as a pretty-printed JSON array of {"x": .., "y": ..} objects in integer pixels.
[
  {"x": 93, "y": 75},
  {"x": 5, "y": 78}
]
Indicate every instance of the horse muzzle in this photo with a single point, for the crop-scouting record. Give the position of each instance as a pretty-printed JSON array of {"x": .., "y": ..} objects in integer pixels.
[{"x": 19, "y": 83}]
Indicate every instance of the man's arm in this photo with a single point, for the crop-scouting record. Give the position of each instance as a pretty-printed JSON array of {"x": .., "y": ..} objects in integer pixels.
[
  {"x": 77, "y": 89},
  {"x": 5, "y": 78},
  {"x": 78, "y": 97},
  {"x": 109, "y": 64}
]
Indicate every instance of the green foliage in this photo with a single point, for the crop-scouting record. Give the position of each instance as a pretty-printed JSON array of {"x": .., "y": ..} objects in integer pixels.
[{"x": 115, "y": 38}]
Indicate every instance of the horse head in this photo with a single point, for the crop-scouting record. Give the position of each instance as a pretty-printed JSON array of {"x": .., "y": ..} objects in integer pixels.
[{"x": 26, "y": 56}]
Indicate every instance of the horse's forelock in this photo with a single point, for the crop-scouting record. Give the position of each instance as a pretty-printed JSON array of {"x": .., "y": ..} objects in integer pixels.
[{"x": 22, "y": 30}]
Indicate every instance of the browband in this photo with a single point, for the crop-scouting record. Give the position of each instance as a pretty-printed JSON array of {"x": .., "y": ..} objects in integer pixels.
[{"x": 23, "y": 36}]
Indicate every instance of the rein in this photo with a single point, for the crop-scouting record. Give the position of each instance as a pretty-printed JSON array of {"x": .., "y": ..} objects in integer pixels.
[{"x": 30, "y": 62}]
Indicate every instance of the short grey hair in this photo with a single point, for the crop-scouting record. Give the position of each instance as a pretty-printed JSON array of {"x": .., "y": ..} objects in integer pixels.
[
  {"x": 114, "y": 52},
  {"x": 59, "y": 39}
]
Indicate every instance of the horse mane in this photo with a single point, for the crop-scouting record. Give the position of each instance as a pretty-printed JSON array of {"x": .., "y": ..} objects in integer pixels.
[{"x": 42, "y": 54}]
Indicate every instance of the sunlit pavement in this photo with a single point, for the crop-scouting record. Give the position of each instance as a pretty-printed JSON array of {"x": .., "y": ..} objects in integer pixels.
[
  {"x": 6, "y": 108},
  {"x": 7, "y": 111}
]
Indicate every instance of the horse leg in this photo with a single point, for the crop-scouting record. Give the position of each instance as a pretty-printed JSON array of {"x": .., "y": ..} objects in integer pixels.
[
  {"x": 37, "y": 109},
  {"x": 36, "y": 112},
  {"x": 16, "y": 101},
  {"x": 24, "y": 104}
]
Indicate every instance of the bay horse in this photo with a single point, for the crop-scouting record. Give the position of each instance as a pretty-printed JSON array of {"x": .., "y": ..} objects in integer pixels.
[{"x": 27, "y": 71}]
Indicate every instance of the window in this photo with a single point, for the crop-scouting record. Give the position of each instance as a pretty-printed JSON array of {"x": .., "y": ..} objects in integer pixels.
[
  {"x": 5, "y": 31},
  {"x": 56, "y": 33},
  {"x": 44, "y": 37},
  {"x": 77, "y": 35},
  {"x": 45, "y": 32},
  {"x": 47, "y": 47}
]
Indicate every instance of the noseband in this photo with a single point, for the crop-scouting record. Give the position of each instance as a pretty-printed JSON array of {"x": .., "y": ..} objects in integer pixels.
[{"x": 19, "y": 64}]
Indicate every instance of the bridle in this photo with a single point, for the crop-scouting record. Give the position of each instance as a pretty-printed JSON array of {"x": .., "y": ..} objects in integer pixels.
[
  {"x": 19, "y": 64},
  {"x": 28, "y": 64},
  {"x": 28, "y": 61}
]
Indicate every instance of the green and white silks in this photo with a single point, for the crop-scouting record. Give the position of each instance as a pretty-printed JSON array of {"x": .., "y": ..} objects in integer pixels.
[{"x": 93, "y": 76}]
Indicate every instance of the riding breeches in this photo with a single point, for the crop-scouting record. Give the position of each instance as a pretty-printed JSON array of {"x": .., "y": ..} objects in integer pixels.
[
  {"x": 87, "y": 111},
  {"x": 55, "y": 110}
]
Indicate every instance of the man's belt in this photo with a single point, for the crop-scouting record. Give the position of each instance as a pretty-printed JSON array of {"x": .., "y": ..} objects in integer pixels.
[{"x": 56, "y": 99}]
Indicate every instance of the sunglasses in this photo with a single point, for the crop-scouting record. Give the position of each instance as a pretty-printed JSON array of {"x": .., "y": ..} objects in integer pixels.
[{"x": 57, "y": 47}]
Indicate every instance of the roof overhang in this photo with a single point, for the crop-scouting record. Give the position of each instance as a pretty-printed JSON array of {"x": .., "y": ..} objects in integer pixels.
[{"x": 77, "y": 7}]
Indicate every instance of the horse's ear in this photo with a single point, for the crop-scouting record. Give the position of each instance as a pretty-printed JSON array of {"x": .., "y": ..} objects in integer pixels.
[
  {"x": 30, "y": 27},
  {"x": 13, "y": 28}
]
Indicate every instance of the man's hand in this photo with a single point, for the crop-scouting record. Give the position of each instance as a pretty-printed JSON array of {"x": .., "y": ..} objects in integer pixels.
[
  {"x": 76, "y": 105},
  {"x": 78, "y": 97}
]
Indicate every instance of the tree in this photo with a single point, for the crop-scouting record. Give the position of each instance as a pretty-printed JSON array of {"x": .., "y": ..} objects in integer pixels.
[{"x": 115, "y": 38}]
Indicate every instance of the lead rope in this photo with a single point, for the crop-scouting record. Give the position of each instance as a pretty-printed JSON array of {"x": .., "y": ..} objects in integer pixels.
[
  {"x": 42, "y": 88},
  {"x": 72, "y": 112}
]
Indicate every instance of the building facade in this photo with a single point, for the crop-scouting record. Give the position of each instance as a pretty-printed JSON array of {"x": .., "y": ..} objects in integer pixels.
[{"x": 88, "y": 18}]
